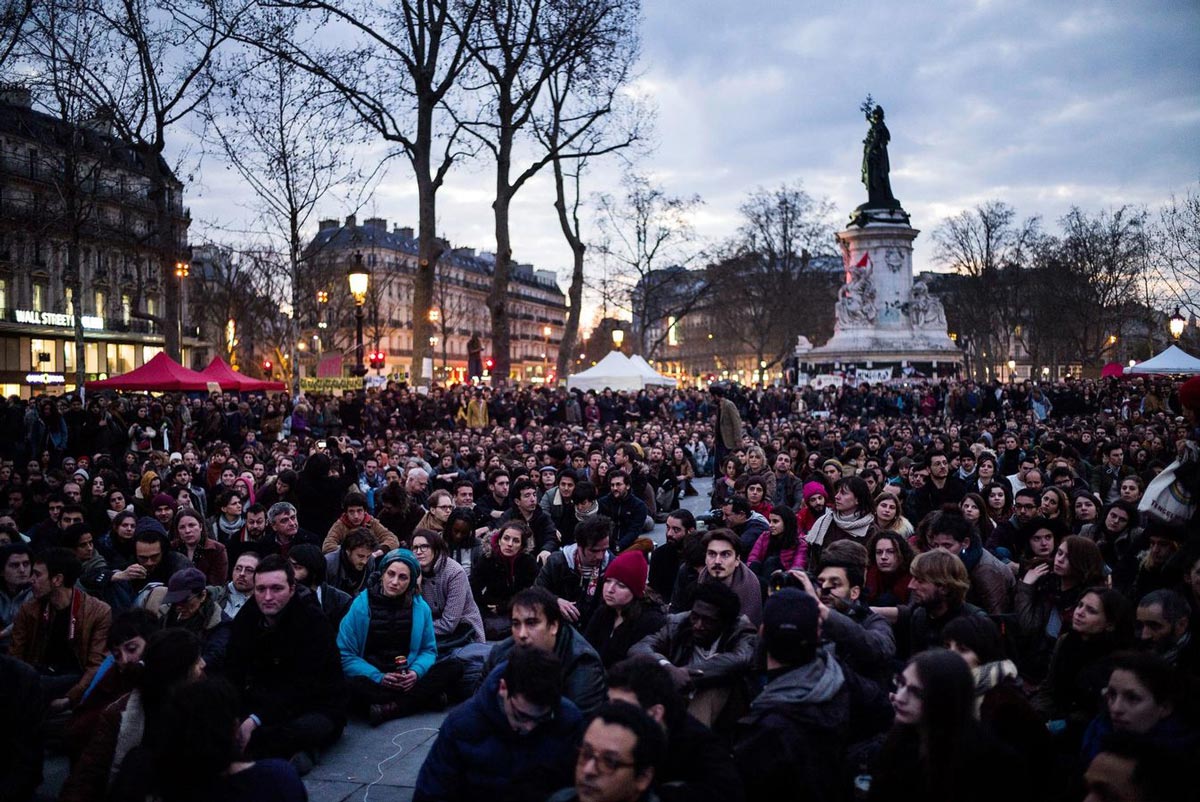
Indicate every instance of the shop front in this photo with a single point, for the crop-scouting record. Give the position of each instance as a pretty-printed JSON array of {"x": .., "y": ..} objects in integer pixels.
[{"x": 37, "y": 350}]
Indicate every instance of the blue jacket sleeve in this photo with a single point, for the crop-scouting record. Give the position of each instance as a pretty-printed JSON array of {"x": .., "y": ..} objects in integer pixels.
[
  {"x": 422, "y": 646},
  {"x": 352, "y": 641}
]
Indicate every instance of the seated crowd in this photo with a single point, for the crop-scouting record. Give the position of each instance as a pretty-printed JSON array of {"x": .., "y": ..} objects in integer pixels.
[{"x": 961, "y": 608}]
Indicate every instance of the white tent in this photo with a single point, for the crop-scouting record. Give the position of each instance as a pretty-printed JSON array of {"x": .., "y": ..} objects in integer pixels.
[
  {"x": 615, "y": 371},
  {"x": 652, "y": 376},
  {"x": 1174, "y": 360}
]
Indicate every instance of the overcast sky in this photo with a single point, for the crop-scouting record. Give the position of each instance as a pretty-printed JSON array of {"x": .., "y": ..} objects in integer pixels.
[{"x": 1042, "y": 105}]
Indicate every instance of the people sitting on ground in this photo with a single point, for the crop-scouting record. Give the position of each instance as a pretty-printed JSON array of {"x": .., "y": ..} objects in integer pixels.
[
  {"x": 234, "y": 594},
  {"x": 504, "y": 568},
  {"x": 355, "y": 516},
  {"x": 284, "y": 661},
  {"x": 709, "y": 651},
  {"x": 202, "y": 551},
  {"x": 619, "y": 757},
  {"x": 627, "y": 615},
  {"x": 514, "y": 740},
  {"x": 780, "y": 548},
  {"x": 889, "y": 556},
  {"x": 308, "y": 563},
  {"x": 722, "y": 564},
  {"x": 574, "y": 573},
  {"x": 350, "y": 565},
  {"x": 387, "y": 645}
]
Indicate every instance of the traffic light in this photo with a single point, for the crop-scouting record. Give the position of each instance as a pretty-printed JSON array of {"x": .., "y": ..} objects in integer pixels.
[
  {"x": 378, "y": 360},
  {"x": 489, "y": 363},
  {"x": 267, "y": 366}
]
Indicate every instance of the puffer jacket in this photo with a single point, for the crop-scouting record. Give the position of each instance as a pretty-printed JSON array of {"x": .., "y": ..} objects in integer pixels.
[
  {"x": 477, "y": 755},
  {"x": 356, "y": 627}
]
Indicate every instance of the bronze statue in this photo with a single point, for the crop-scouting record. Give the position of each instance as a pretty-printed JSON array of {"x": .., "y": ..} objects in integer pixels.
[{"x": 875, "y": 165}]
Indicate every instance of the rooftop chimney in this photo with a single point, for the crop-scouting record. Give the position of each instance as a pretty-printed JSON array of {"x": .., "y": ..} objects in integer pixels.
[
  {"x": 376, "y": 222},
  {"x": 351, "y": 222},
  {"x": 404, "y": 231},
  {"x": 325, "y": 225}
]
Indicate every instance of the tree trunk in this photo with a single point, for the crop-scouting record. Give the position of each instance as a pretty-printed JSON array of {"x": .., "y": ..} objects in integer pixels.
[
  {"x": 165, "y": 249},
  {"x": 497, "y": 300},
  {"x": 575, "y": 292},
  {"x": 429, "y": 248}
]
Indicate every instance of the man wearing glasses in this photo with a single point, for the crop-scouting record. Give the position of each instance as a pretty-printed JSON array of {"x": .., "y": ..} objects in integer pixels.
[
  {"x": 617, "y": 759},
  {"x": 1004, "y": 536},
  {"x": 515, "y": 739}
]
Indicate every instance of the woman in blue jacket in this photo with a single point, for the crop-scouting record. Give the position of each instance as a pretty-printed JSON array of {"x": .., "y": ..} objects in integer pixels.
[{"x": 388, "y": 647}]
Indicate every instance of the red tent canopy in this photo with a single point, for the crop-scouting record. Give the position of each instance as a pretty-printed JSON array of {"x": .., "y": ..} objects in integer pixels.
[
  {"x": 1112, "y": 369},
  {"x": 229, "y": 379},
  {"x": 161, "y": 373}
]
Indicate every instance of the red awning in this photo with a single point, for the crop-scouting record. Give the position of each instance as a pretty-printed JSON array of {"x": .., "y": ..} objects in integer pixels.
[
  {"x": 161, "y": 374},
  {"x": 232, "y": 381},
  {"x": 1112, "y": 369}
]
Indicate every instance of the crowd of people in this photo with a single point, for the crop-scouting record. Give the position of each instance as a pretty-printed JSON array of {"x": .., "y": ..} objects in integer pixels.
[{"x": 947, "y": 588}]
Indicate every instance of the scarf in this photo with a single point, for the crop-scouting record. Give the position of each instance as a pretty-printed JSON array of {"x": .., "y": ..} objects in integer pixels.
[
  {"x": 231, "y": 532},
  {"x": 852, "y": 526},
  {"x": 990, "y": 675}
]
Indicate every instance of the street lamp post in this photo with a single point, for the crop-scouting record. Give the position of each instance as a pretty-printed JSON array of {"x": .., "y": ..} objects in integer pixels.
[
  {"x": 1176, "y": 324},
  {"x": 359, "y": 279},
  {"x": 182, "y": 270}
]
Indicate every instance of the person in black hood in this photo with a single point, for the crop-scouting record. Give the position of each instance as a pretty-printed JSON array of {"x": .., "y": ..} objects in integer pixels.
[
  {"x": 319, "y": 490},
  {"x": 309, "y": 565}
]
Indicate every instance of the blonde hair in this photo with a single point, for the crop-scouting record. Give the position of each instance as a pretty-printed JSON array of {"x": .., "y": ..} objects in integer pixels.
[{"x": 943, "y": 569}]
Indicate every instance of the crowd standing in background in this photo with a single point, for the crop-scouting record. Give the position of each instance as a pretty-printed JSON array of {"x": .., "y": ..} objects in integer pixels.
[{"x": 937, "y": 588}]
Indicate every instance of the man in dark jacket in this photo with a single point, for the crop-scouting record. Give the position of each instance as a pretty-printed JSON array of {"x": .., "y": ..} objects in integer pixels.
[
  {"x": 283, "y": 660},
  {"x": 514, "y": 740},
  {"x": 938, "y": 588},
  {"x": 283, "y": 531},
  {"x": 666, "y": 558},
  {"x": 626, "y": 511},
  {"x": 537, "y": 622},
  {"x": 22, "y": 709},
  {"x": 797, "y": 726},
  {"x": 309, "y": 565},
  {"x": 697, "y": 766},
  {"x": 190, "y": 605},
  {"x": 940, "y": 488},
  {"x": 573, "y": 574},
  {"x": 747, "y": 524},
  {"x": 788, "y": 486},
  {"x": 709, "y": 650}
]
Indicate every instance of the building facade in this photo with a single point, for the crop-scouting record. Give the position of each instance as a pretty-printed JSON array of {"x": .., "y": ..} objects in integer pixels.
[
  {"x": 118, "y": 291},
  {"x": 537, "y": 306}
]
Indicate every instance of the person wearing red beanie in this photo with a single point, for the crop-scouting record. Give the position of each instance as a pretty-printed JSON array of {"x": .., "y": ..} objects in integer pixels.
[{"x": 627, "y": 615}]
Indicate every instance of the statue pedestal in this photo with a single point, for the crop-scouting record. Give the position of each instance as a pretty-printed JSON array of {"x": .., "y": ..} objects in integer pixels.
[{"x": 881, "y": 316}]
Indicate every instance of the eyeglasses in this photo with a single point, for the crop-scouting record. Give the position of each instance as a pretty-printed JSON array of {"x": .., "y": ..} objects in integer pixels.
[
  {"x": 536, "y": 720},
  {"x": 444, "y": 507},
  {"x": 605, "y": 762},
  {"x": 421, "y": 547}
]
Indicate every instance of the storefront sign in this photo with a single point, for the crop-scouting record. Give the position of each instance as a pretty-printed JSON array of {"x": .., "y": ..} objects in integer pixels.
[
  {"x": 45, "y": 378},
  {"x": 57, "y": 319}
]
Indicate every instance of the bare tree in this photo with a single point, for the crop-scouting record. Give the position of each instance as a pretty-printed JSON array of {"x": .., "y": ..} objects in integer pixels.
[
  {"x": 649, "y": 243},
  {"x": 769, "y": 263},
  {"x": 990, "y": 248},
  {"x": 520, "y": 47},
  {"x": 397, "y": 66},
  {"x": 1175, "y": 246},
  {"x": 289, "y": 138},
  {"x": 239, "y": 286},
  {"x": 14, "y": 17}
]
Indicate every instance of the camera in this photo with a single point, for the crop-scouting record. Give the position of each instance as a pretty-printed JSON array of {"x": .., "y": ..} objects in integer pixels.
[{"x": 783, "y": 579}]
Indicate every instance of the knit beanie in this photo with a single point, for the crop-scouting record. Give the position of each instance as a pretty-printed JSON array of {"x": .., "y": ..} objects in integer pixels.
[
  {"x": 402, "y": 555},
  {"x": 814, "y": 489},
  {"x": 147, "y": 524},
  {"x": 164, "y": 500},
  {"x": 630, "y": 569},
  {"x": 1189, "y": 393}
]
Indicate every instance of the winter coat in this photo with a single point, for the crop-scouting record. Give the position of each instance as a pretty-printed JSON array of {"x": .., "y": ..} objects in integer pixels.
[
  {"x": 560, "y": 576},
  {"x": 749, "y": 532},
  {"x": 494, "y": 580},
  {"x": 794, "y": 557},
  {"x": 796, "y": 731},
  {"x": 210, "y": 624},
  {"x": 356, "y": 626},
  {"x": 290, "y": 669},
  {"x": 477, "y": 755},
  {"x": 338, "y": 576},
  {"x": 613, "y": 645},
  {"x": 628, "y": 515},
  {"x": 864, "y": 640},
  {"x": 729, "y": 425},
  {"x": 747, "y": 587},
  {"x": 581, "y": 667},
  {"x": 992, "y": 582},
  {"x": 211, "y": 558},
  {"x": 447, "y": 590},
  {"x": 545, "y": 536},
  {"x": 917, "y": 631},
  {"x": 118, "y": 731},
  {"x": 384, "y": 538},
  {"x": 87, "y": 632},
  {"x": 731, "y": 663}
]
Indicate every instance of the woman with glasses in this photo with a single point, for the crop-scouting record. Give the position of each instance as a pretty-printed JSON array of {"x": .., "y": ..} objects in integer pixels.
[
  {"x": 388, "y": 648},
  {"x": 446, "y": 588},
  {"x": 936, "y": 750}
]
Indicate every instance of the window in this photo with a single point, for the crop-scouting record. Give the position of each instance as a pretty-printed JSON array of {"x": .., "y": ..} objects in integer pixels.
[
  {"x": 151, "y": 306},
  {"x": 42, "y": 355},
  {"x": 39, "y": 297},
  {"x": 149, "y": 352},
  {"x": 70, "y": 293},
  {"x": 126, "y": 309},
  {"x": 91, "y": 357},
  {"x": 120, "y": 359},
  {"x": 100, "y": 304},
  {"x": 3, "y": 293}
]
